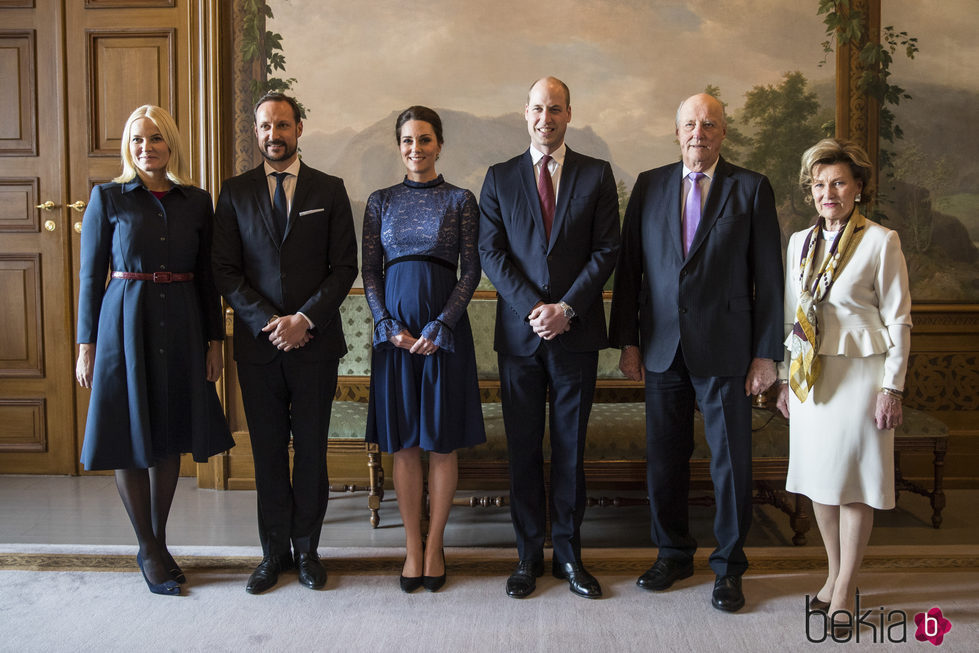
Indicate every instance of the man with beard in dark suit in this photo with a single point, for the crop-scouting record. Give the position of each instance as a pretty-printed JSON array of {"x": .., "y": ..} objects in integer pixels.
[{"x": 285, "y": 256}]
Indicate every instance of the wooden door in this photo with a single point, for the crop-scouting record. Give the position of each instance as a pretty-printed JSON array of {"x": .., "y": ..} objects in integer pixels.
[
  {"x": 72, "y": 71},
  {"x": 36, "y": 370}
]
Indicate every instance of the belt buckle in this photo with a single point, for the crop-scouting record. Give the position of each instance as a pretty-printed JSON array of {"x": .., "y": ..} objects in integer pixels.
[{"x": 162, "y": 277}]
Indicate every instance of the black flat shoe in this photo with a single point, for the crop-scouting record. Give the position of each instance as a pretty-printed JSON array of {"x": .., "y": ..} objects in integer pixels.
[
  {"x": 435, "y": 583},
  {"x": 727, "y": 595},
  {"x": 166, "y": 588},
  {"x": 176, "y": 572},
  {"x": 312, "y": 573},
  {"x": 266, "y": 574},
  {"x": 665, "y": 572},
  {"x": 523, "y": 581},
  {"x": 580, "y": 581}
]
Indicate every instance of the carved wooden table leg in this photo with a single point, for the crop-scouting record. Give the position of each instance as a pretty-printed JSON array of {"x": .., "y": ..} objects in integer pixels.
[{"x": 375, "y": 472}]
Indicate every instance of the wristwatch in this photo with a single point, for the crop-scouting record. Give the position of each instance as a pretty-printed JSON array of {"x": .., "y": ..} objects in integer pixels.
[{"x": 568, "y": 311}]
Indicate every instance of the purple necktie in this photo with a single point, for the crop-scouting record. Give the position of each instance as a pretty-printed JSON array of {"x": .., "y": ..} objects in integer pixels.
[
  {"x": 545, "y": 188},
  {"x": 691, "y": 211}
]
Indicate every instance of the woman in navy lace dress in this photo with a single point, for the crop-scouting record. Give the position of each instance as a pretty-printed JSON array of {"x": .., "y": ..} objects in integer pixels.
[{"x": 424, "y": 394}]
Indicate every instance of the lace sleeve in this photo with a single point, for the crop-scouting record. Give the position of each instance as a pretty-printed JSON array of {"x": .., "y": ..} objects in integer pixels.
[
  {"x": 372, "y": 271},
  {"x": 469, "y": 271}
]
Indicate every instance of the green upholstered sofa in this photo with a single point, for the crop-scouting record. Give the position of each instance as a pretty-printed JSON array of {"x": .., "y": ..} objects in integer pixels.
[{"x": 615, "y": 452}]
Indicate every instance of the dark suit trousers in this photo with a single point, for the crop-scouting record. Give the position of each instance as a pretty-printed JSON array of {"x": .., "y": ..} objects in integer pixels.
[
  {"x": 525, "y": 381},
  {"x": 669, "y": 444},
  {"x": 288, "y": 396}
]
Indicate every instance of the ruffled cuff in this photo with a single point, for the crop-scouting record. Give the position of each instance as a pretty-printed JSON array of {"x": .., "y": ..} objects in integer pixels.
[
  {"x": 440, "y": 335},
  {"x": 386, "y": 328}
]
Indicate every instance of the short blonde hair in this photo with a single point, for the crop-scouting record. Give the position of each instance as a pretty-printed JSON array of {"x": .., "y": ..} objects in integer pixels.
[
  {"x": 833, "y": 150},
  {"x": 171, "y": 136}
]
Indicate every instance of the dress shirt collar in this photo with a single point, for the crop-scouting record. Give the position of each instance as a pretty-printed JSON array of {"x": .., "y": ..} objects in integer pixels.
[
  {"x": 557, "y": 155},
  {"x": 293, "y": 169},
  {"x": 709, "y": 173}
]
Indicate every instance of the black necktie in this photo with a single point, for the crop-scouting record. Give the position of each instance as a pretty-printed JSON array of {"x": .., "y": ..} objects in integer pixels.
[{"x": 280, "y": 208}]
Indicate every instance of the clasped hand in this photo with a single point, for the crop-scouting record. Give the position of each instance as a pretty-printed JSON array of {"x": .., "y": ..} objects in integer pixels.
[
  {"x": 405, "y": 340},
  {"x": 288, "y": 332},
  {"x": 548, "y": 321}
]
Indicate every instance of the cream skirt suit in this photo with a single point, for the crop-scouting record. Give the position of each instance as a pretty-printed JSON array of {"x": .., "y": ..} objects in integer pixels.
[{"x": 837, "y": 455}]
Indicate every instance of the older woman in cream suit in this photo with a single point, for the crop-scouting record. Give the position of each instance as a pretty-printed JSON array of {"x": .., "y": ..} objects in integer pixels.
[{"x": 848, "y": 322}]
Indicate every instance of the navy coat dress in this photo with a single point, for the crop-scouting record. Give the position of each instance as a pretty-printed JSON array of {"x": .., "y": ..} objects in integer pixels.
[{"x": 150, "y": 396}]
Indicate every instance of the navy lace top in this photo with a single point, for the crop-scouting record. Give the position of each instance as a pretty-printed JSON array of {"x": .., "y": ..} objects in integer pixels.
[{"x": 431, "y": 218}]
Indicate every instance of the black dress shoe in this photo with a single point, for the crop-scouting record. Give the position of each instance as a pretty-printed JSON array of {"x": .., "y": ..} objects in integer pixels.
[
  {"x": 727, "y": 594},
  {"x": 266, "y": 574},
  {"x": 582, "y": 583},
  {"x": 665, "y": 572},
  {"x": 523, "y": 581},
  {"x": 435, "y": 583},
  {"x": 312, "y": 573}
]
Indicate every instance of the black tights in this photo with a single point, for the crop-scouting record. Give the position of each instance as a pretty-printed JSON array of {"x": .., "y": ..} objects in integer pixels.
[{"x": 147, "y": 495}]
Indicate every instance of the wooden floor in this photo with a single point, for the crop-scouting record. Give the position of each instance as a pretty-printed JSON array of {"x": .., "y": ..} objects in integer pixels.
[{"x": 87, "y": 510}]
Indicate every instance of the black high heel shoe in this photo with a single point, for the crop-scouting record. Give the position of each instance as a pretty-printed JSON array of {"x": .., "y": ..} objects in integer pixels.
[
  {"x": 176, "y": 572},
  {"x": 816, "y": 605},
  {"x": 166, "y": 588},
  {"x": 435, "y": 583},
  {"x": 409, "y": 583}
]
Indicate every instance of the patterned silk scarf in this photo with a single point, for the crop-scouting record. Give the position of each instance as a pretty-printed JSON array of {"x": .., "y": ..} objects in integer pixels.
[{"x": 814, "y": 284}]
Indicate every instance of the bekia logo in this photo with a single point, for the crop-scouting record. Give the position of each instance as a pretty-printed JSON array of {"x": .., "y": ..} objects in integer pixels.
[
  {"x": 932, "y": 626},
  {"x": 884, "y": 626}
]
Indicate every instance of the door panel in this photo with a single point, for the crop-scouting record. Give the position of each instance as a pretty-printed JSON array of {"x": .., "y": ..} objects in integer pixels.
[{"x": 36, "y": 381}]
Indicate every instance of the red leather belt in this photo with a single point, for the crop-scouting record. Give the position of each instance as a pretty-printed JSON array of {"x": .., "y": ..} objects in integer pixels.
[{"x": 155, "y": 277}]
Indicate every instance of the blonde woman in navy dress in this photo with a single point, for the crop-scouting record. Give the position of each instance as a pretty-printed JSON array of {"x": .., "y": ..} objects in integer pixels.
[
  {"x": 149, "y": 340},
  {"x": 424, "y": 393},
  {"x": 848, "y": 324}
]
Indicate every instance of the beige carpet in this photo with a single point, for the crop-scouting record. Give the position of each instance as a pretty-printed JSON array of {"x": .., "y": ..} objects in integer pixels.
[{"x": 60, "y": 598}]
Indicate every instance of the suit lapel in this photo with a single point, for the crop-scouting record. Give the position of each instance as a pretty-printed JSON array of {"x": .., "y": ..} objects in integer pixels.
[
  {"x": 674, "y": 210},
  {"x": 720, "y": 188},
  {"x": 298, "y": 197},
  {"x": 569, "y": 175},
  {"x": 525, "y": 172},
  {"x": 263, "y": 203}
]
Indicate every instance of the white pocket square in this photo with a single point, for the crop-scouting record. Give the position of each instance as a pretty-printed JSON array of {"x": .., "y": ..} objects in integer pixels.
[{"x": 302, "y": 213}]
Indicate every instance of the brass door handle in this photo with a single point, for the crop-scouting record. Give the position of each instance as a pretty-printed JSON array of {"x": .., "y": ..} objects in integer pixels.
[
  {"x": 47, "y": 206},
  {"x": 77, "y": 227},
  {"x": 50, "y": 225},
  {"x": 78, "y": 205}
]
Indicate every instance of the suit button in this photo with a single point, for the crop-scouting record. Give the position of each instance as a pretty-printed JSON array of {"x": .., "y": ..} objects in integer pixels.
[
  {"x": 683, "y": 310},
  {"x": 546, "y": 288},
  {"x": 283, "y": 276},
  {"x": 683, "y": 273},
  {"x": 550, "y": 258}
]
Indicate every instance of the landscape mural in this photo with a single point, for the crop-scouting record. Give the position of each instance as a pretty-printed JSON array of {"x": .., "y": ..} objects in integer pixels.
[{"x": 628, "y": 63}]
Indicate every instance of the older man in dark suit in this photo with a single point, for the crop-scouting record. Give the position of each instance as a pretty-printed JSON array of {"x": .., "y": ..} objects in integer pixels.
[
  {"x": 548, "y": 238},
  {"x": 697, "y": 311},
  {"x": 285, "y": 256}
]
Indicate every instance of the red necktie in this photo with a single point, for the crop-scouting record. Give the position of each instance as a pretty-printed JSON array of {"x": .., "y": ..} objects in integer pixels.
[{"x": 545, "y": 188}]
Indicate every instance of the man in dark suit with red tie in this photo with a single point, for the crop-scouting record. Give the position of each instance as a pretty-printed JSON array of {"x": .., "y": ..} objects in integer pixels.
[
  {"x": 548, "y": 238},
  {"x": 697, "y": 311},
  {"x": 285, "y": 256}
]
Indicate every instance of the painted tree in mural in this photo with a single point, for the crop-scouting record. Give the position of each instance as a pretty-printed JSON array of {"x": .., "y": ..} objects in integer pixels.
[
  {"x": 783, "y": 121},
  {"x": 262, "y": 45}
]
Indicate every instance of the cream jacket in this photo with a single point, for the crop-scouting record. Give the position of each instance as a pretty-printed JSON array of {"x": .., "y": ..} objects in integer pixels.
[{"x": 867, "y": 310}]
